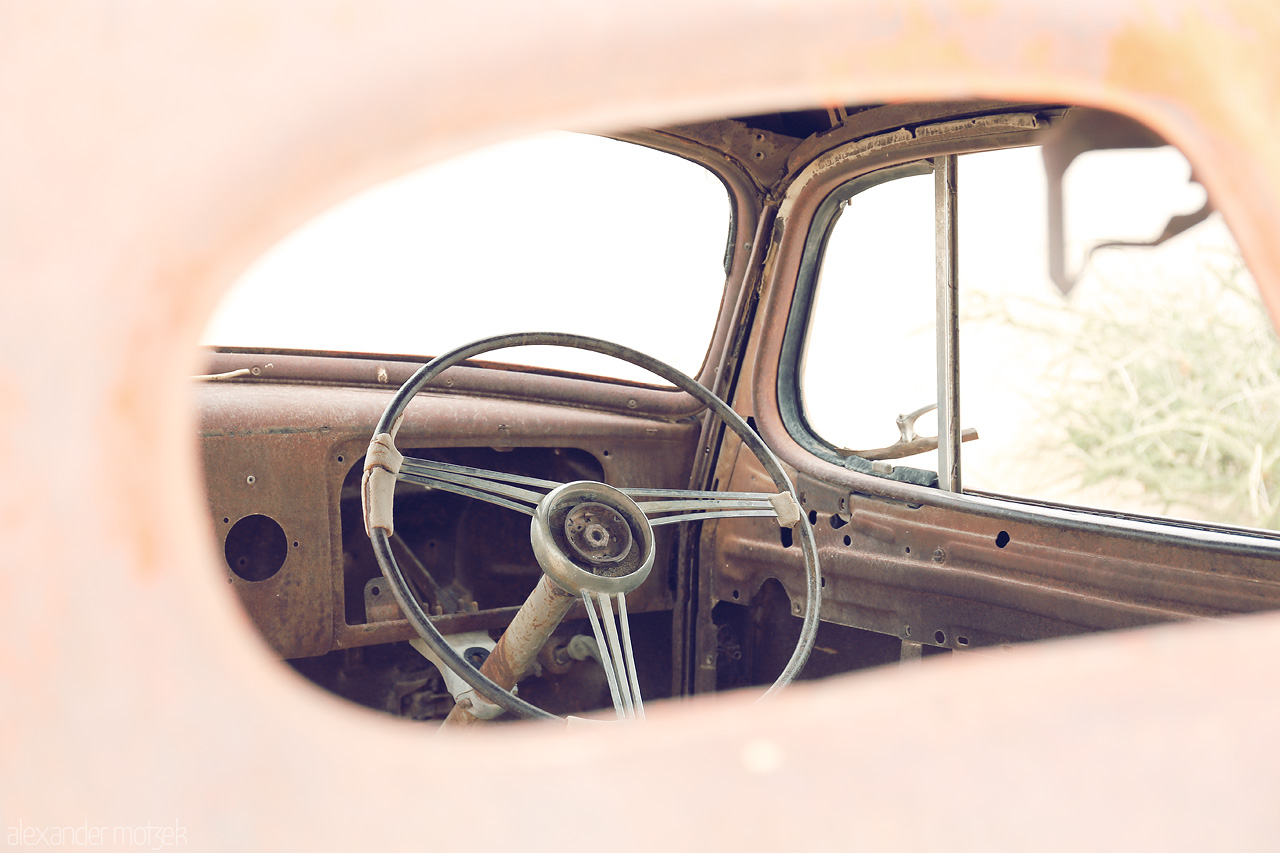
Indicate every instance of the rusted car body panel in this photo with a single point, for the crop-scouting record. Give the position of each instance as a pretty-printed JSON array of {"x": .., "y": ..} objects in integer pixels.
[
  {"x": 150, "y": 151},
  {"x": 307, "y": 440}
]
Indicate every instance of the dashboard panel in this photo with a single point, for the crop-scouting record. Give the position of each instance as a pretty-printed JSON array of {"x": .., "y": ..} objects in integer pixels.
[{"x": 283, "y": 443}]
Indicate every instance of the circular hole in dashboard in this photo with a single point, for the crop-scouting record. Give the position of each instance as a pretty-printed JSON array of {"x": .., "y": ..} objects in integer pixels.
[{"x": 256, "y": 547}]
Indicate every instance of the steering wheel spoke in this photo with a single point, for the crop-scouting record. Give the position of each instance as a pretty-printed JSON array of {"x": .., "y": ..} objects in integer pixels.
[
  {"x": 616, "y": 655},
  {"x": 676, "y": 506},
  {"x": 671, "y": 506},
  {"x": 506, "y": 490}
]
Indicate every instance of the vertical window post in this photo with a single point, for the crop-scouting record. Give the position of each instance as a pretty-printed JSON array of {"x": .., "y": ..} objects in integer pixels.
[{"x": 948, "y": 328}]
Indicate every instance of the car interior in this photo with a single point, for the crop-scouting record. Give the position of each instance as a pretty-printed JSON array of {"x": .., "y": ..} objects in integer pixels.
[{"x": 911, "y": 392}]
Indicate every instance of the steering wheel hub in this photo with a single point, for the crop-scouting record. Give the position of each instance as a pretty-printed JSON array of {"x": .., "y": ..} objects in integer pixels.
[
  {"x": 590, "y": 536},
  {"x": 597, "y": 533}
]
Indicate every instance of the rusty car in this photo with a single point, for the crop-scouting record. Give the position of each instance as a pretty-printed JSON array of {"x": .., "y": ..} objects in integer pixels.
[{"x": 860, "y": 430}]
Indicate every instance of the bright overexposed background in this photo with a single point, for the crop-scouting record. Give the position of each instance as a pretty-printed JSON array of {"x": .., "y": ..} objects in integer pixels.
[{"x": 560, "y": 232}]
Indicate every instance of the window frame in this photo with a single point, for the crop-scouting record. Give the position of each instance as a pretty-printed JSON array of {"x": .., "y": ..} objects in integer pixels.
[{"x": 918, "y": 487}]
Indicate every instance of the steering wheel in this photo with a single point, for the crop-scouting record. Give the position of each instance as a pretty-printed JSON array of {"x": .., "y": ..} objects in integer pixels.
[{"x": 592, "y": 541}]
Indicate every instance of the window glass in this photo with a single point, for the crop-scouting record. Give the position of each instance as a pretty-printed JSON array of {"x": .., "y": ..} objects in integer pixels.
[
  {"x": 1152, "y": 386},
  {"x": 870, "y": 346},
  {"x": 560, "y": 232}
]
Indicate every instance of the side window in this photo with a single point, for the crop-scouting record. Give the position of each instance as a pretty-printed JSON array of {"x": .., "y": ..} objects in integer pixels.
[
  {"x": 870, "y": 351},
  {"x": 1150, "y": 386}
]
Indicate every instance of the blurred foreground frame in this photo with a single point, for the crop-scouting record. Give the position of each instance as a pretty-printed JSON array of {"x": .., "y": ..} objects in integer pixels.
[{"x": 152, "y": 150}]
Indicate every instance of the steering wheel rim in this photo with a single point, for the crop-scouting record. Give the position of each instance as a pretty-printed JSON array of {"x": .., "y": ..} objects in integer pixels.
[{"x": 389, "y": 424}]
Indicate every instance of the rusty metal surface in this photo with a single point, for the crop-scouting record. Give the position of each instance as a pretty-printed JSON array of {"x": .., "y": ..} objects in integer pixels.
[
  {"x": 300, "y": 441},
  {"x": 922, "y": 571},
  {"x": 149, "y": 151},
  {"x": 520, "y": 643},
  {"x": 515, "y": 382},
  {"x": 287, "y": 477}
]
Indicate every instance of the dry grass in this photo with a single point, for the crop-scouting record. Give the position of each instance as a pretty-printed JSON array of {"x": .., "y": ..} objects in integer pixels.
[
  {"x": 1173, "y": 390},
  {"x": 1189, "y": 405}
]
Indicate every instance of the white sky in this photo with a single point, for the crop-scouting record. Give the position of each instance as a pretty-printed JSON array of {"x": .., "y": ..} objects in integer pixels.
[{"x": 559, "y": 232}]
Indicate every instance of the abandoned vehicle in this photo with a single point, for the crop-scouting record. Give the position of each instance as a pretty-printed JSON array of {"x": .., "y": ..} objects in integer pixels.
[
  {"x": 882, "y": 263},
  {"x": 872, "y": 397}
]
